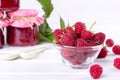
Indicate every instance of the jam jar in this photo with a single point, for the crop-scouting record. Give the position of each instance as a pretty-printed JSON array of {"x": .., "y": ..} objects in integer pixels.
[
  {"x": 3, "y": 23},
  {"x": 1, "y": 38},
  {"x": 9, "y": 5},
  {"x": 24, "y": 26}
]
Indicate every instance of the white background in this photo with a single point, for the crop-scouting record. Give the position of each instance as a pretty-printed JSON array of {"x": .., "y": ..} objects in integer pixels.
[
  {"x": 48, "y": 65},
  {"x": 87, "y": 11}
]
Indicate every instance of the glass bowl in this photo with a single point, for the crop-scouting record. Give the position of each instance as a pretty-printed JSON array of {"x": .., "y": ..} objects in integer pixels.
[{"x": 79, "y": 57}]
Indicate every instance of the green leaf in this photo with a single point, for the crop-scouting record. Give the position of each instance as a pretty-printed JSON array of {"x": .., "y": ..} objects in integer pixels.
[
  {"x": 68, "y": 24},
  {"x": 43, "y": 38},
  {"x": 45, "y": 33},
  {"x": 45, "y": 28},
  {"x": 51, "y": 37},
  {"x": 47, "y": 7},
  {"x": 62, "y": 23}
]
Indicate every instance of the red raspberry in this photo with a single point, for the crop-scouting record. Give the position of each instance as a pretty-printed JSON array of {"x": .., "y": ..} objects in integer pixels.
[
  {"x": 58, "y": 34},
  {"x": 78, "y": 58},
  {"x": 70, "y": 30},
  {"x": 81, "y": 42},
  {"x": 91, "y": 53},
  {"x": 99, "y": 38},
  {"x": 109, "y": 42},
  {"x": 87, "y": 35},
  {"x": 116, "y": 49},
  {"x": 96, "y": 71},
  {"x": 79, "y": 26},
  {"x": 65, "y": 52},
  {"x": 117, "y": 63},
  {"x": 91, "y": 44},
  {"x": 103, "y": 53},
  {"x": 67, "y": 39}
]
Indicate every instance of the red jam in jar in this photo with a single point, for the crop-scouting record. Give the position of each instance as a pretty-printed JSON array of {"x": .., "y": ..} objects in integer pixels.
[
  {"x": 23, "y": 29},
  {"x": 9, "y": 5},
  {"x": 3, "y": 23},
  {"x": 1, "y": 39},
  {"x": 22, "y": 36}
]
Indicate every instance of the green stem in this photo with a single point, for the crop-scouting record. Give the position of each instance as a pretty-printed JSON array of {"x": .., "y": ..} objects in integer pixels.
[{"x": 92, "y": 26}]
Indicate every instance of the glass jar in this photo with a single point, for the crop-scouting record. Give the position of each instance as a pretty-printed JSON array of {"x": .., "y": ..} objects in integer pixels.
[
  {"x": 23, "y": 29},
  {"x": 1, "y": 38},
  {"x": 9, "y": 5},
  {"x": 22, "y": 36},
  {"x": 3, "y": 23}
]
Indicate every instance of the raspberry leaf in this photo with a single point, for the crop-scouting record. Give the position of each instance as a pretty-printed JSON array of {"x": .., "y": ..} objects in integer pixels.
[
  {"x": 62, "y": 23},
  {"x": 45, "y": 28},
  {"x": 47, "y": 7},
  {"x": 92, "y": 26},
  {"x": 48, "y": 38},
  {"x": 45, "y": 32}
]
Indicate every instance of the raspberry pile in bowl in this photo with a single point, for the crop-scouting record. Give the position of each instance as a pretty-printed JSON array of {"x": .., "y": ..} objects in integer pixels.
[{"x": 79, "y": 47}]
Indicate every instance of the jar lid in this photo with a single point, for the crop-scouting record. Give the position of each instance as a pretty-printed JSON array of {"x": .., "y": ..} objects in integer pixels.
[
  {"x": 23, "y": 13},
  {"x": 25, "y": 18},
  {"x": 4, "y": 22}
]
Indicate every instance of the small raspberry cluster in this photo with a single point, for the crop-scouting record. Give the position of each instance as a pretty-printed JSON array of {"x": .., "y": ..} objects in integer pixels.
[
  {"x": 96, "y": 70},
  {"x": 78, "y": 36},
  {"x": 109, "y": 44},
  {"x": 104, "y": 51}
]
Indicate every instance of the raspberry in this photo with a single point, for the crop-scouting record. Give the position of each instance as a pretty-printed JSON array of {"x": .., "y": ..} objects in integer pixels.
[
  {"x": 91, "y": 53},
  {"x": 67, "y": 51},
  {"x": 79, "y": 26},
  {"x": 81, "y": 42},
  {"x": 103, "y": 53},
  {"x": 73, "y": 56},
  {"x": 58, "y": 34},
  {"x": 116, "y": 49},
  {"x": 87, "y": 35},
  {"x": 96, "y": 71},
  {"x": 109, "y": 42},
  {"x": 70, "y": 30},
  {"x": 67, "y": 39},
  {"x": 78, "y": 58},
  {"x": 91, "y": 43},
  {"x": 99, "y": 38},
  {"x": 117, "y": 63}
]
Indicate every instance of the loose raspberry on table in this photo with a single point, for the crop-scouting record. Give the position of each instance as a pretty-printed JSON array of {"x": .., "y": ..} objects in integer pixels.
[
  {"x": 117, "y": 63},
  {"x": 103, "y": 53},
  {"x": 96, "y": 71},
  {"x": 116, "y": 49},
  {"x": 109, "y": 42}
]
